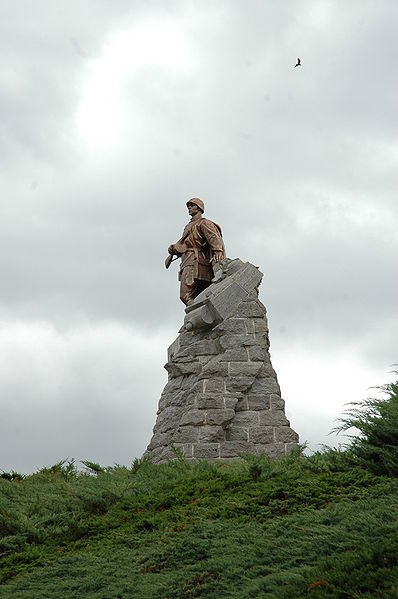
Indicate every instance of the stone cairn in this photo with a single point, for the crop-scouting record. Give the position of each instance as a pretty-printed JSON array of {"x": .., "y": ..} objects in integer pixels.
[{"x": 222, "y": 398}]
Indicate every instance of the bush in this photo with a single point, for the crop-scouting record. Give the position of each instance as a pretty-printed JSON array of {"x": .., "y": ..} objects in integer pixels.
[{"x": 376, "y": 447}]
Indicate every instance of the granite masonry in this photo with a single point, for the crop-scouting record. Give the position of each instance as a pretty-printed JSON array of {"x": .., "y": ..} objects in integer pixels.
[{"x": 222, "y": 398}]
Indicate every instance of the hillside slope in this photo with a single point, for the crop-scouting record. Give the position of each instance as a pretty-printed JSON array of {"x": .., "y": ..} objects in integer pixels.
[{"x": 315, "y": 526}]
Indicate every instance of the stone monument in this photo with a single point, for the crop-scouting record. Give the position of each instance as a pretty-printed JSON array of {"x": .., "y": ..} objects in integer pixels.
[{"x": 222, "y": 398}]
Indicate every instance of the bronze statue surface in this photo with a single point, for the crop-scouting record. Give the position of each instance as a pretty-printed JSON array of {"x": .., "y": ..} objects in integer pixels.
[{"x": 200, "y": 246}]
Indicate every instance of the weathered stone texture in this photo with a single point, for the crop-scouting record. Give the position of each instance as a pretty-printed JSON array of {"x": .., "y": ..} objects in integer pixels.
[{"x": 223, "y": 397}]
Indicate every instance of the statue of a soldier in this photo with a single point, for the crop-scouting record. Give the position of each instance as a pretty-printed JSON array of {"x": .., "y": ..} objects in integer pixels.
[{"x": 200, "y": 246}]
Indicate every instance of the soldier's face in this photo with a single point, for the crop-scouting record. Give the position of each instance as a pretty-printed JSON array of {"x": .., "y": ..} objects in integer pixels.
[{"x": 193, "y": 209}]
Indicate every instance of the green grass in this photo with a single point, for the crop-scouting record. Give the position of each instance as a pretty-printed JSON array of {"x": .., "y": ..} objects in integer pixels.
[{"x": 317, "y": 526}]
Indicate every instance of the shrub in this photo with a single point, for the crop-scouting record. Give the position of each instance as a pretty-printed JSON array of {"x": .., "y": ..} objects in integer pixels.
[{"x": 376, "y": 419}]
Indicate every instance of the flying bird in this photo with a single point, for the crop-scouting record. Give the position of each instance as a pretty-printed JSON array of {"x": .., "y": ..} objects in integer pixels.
[{"x": 298, "y": 63}]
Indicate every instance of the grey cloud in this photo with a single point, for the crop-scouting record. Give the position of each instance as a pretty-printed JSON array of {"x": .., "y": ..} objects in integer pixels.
[{"x": 87, "y": 394}]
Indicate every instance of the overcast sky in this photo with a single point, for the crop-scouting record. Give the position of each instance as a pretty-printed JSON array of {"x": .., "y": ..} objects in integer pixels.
[{"x": 113, "y": 114}]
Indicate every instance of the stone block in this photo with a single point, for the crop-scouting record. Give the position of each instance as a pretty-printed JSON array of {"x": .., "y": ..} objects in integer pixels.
[
  {"x": 168, "y": 418},
  {"x": 206, "y": 450},
  {"x": 273, "y": 418},
  {"x": 230, "y": 266},
  {"x": 214, "y": 385},
  {"x": 231, "y": 401},
  {"x": 164, "y": 401},
  {"x": 219, "y": 417},
  {"x": 237, "y": 354},
  {"x": 231, "y": 326},
  {"x": 186, "y": 359},
  {"x": 284, "y": 434},
  {"x": 237, "y": 433},
  {"x": 260, "y": 326},
  {"x": 266, "y": 371},
  {"x": 179, "y": 345},
  {"x": 201, "y": 317},
  {"x": 232, "y": 449},
  {"x": 173, "y": 349},
  {"x": 238, "y": 383},
  {"x": 251, "y": 309},
  {"x": 227, "y": 299},
  {"x": 211, "y": 434},
  {"x": 276, "y": 402},
  {"x": 210, "y": 401},
  {"x": 262, "y": 340},
  {"x": 177, "y": 400},
  {"x": 290, "y": 446},
  {"x": 214, "y": 368},
  {"x": 246, "y": 419},
  {"x": 266, "y": 386},
  {"x": 186, "y": 434},
  {"x": 258, "y": 401},
  {"x": 178, "y": 369},
  {"x": 242, "y": 404},
  {"x": 193, "y": 417},
  {"x": 249, "y": 324},
  {"x": 244, "y": 368},
  {"x": 273, "y": 450},
  {"x": 172, "y": 386},
  {"x": 257, "y": 353},
  {"x": 187, "y": 399},
  {"x": 159, "y": 439},
  {"x": 203, "y": 347},
  {"x": 191, "y": 386},
  {"x": 235, "y": 341},
  {"x": 185, "y": 338},
  {"x": 205, "y": 359},
  {"x": 247, "y": 276},
  {"x": 250, "y": 340},
  {"x": 187, "y": 448},
  {"x": 162, "y": 454},
  {"x": 261, "y": 434}
]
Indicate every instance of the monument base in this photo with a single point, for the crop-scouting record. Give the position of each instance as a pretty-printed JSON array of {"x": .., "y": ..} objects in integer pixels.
[{"x": 222, "y": 398}]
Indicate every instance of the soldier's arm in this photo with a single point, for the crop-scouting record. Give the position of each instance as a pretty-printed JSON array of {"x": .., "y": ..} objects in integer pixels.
[
  {"x": 179, "y": 247},
  {"x": 213, "y": 237}
]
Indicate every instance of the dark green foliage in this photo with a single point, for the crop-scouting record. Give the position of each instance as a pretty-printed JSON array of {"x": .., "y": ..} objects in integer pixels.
[
  {"x": 376, "y": 447},
  {"x": 301, "y": 526},
  {"x": 12, "y": 476},
  {"x": 64, "y": 468},
  {"x": 92, "y": 467},
  {"x": 322, "y": 526}
]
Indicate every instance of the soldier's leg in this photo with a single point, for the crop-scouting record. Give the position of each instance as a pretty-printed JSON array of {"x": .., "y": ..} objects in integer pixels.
[
  {"x": 187, "y": 287},
  {"x": 200, "y": 286}
]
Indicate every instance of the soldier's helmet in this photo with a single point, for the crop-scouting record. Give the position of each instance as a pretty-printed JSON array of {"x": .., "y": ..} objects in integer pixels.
[{"x": 198, "y": 202}]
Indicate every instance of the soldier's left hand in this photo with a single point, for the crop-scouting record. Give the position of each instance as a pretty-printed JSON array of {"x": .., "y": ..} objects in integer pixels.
[{"x": 217, "y": 256}]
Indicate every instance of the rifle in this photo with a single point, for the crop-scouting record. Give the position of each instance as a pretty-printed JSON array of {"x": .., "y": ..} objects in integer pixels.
[
  {"x": 178, "y": 249},
  {"x": 170, "y": 259}
]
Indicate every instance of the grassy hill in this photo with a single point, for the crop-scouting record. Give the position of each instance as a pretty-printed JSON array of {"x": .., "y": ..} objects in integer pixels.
[{"x": 304, "y": 526}]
